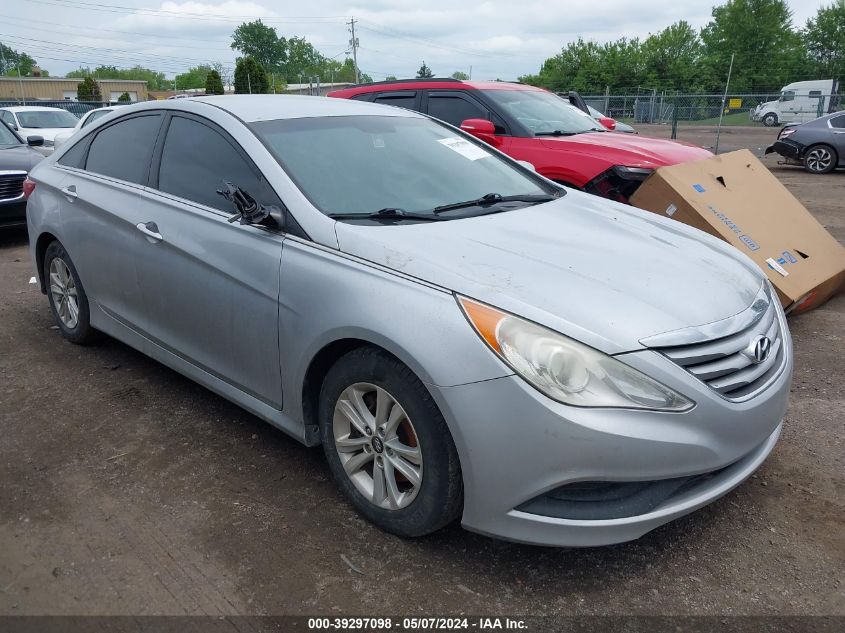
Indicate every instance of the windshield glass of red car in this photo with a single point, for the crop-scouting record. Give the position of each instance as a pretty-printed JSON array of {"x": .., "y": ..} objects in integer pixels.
[{"x": 542, "y": 112}]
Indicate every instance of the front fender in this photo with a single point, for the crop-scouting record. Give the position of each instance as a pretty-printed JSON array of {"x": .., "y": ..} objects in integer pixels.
[{"x": 327, "y": 296}]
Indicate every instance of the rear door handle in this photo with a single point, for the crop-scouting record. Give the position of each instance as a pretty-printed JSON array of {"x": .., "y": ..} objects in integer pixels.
[
  {"x": 69, "y": 192},
  {"x": 150, "y": 229}
]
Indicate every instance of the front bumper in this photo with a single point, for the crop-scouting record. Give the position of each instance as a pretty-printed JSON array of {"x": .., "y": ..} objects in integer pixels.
[
  {"x": 516, "y": 445},
  {"x": 13, "y": 213}
]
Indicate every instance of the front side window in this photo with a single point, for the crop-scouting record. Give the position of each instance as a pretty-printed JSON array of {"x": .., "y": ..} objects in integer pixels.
[
  {"x": 94, "y": 116},
  {"x": 7, "y": 137},
  {"x": 364, "y": 164},
  {"x": 195, "y": 162},
  {"x": 123, "y": 150},
  {"x": 543, "y": 112},
  {"x": 47, "y": 119},
  {"x": 454, "y": 109},
  {"x": 787, "y": 95}
]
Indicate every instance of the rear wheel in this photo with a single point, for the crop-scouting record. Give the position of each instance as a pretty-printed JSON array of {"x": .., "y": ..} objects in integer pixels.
[
  {"x": 68, "y": 300},
  {"x": 770, "y": 120},
  {"x": 388, "y": 445},
  {"x": 820, "y": 159}
]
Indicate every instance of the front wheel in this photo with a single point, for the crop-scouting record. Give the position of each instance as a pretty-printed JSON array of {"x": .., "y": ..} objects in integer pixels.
[
  {"x": 820, "y": 159},
  {"x": 388, "y": 445},
  {"x": 770, "y": 120}
]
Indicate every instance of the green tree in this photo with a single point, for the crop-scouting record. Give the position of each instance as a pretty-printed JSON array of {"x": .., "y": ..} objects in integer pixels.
[
  {"x": 578, "y": 66},
  {"x": 193, "y": 78},
  {"x": 261, "y": 42},
  {"x": 424, "y": 72},
  {"x": 155, "y": 80},
  {"x": 124, "y": 98},
  {"x": 458, "y": 74},
  {"x": 11, "y": 60},
  {"x": 671, "y": 59},
  {"x": 88, "y": 90},
  {"x": 759, "y": 33},
  {"x": 390, "y": 78},
  {"x": 824, "y": 40},
  {"x": 213, "y": 83},
  {"x": 250, "y": 77}
]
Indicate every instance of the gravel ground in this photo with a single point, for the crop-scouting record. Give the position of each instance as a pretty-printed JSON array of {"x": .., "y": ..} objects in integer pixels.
[{"x": 127, "y": 489}]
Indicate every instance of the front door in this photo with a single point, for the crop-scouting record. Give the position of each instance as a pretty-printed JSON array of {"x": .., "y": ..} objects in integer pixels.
[{"x": 211, "y": 287}]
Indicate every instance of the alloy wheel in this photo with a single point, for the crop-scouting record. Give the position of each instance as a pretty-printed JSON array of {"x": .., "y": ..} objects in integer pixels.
[
  {"x": 64, "y": 292},
  {"x": 378, "y": 446},
  {"x": 819, "y": 159}
]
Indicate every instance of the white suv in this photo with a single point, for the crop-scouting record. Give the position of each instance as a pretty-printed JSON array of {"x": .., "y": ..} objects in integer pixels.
[{"x": 38, "y": 120}]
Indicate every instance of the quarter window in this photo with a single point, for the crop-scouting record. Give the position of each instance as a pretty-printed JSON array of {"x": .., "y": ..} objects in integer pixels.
[
  {"x": 454, "y": 110},
  {"x": 195, "y": 162},
  {"x": 838, "y": 121},
  {"x": 123, "y": 150},
  {"x": 8, "y": 118},
  {"x": 405, "y": 100}
]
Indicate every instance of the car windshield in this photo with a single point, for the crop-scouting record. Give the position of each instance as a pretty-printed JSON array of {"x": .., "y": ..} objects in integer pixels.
[
  {"x": 542, "y": 112},
  {"x": 7, "y": 138},
  {"x": 365, "y": 164},
  {"x": 46, "y": 119}
]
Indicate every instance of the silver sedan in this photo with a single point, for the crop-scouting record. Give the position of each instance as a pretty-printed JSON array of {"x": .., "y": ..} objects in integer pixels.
[{"x": 464, "y": 337}]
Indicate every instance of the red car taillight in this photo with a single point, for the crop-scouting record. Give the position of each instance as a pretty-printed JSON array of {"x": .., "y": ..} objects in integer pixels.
[{"x": 28, "y": 187}]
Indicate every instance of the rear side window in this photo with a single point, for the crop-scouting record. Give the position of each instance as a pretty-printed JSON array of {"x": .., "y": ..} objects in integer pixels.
[
  {"x": 407, "y": 100},
  {"x": 8, "y": 118},
  {"x": 196, "y": 160},
  {"x": 454, "y": 109},
  {"x": 75, "y": 156},
  {"x": 123, "y": 150}
]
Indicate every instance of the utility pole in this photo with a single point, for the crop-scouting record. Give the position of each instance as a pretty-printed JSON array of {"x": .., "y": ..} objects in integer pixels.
[{"x": 354, "y": 44}]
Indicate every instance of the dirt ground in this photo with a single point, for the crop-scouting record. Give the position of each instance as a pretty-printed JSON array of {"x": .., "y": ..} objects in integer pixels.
[{"x": 127, "y": 489}]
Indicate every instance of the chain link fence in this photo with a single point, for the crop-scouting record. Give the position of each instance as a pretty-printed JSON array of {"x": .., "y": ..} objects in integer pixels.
[
  {"x": 77, "y": 108},
  {"x": 747, "y": 120}
]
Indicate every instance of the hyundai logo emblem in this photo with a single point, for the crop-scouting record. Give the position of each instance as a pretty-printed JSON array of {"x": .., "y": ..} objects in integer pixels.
[{"x": 758, "y": 350}]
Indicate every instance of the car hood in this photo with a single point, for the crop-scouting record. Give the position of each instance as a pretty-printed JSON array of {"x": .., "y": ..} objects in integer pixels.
[
  {"x": 603, "y": 273},
  {"x": 628, "y": 150},
  {"x": 19, "y": 157},
  {"x": 49, "y": 133}
]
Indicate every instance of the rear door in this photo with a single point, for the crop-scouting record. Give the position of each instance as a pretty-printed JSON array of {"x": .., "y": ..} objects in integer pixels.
[
  {"x": 211, "y": 287},
  {"x": 101, "y": 205}
]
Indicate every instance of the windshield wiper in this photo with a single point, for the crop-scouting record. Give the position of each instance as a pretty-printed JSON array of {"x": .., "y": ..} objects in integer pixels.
[
  {"x": 495, "y": 198},
  {"x": 556, "y": 133},
  {"x": 390, "y": 214}
]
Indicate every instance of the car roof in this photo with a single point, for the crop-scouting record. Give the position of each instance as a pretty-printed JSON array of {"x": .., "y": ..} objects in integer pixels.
[
  {"x": 30, "y": 108},
  {"x": 434, "y": 83},
  {"x": 252, "y": 108}
]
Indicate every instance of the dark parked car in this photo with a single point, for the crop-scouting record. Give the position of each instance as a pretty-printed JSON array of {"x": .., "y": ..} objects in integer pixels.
[
  {"x": 818, "y": 145},
  {"x": 16, "y": 159}
]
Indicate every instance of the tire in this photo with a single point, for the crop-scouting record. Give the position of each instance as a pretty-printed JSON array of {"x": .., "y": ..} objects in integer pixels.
[
  {"x": 770, "y": 120},
  {"x": 416, "y": 442},
  {"x": 820, "y": 159},
  {"x": 67, "y": 297}
]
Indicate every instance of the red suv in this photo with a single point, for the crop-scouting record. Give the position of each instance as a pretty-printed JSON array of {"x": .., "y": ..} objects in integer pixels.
[{"x": 534, "y": 125}]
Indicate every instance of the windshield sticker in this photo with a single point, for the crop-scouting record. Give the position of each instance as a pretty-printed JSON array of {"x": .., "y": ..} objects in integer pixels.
[{"x": 464, "y": 148}]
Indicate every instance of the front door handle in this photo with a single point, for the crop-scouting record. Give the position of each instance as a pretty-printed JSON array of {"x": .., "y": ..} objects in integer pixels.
[
  {"x": 150, "y": 229},
  {"x": 69, "y": 192}
]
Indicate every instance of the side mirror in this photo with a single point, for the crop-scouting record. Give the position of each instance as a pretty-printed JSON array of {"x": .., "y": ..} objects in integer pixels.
[
  {"x": 35, "y": 141},
  {"x": 607, "y": 122},
  {"x": 247, "y": 210},
  {"x": 482, "y": 129}
]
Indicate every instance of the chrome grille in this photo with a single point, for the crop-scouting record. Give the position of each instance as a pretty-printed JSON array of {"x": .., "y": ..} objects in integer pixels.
[
  {"x": 11, "y": 184},
  {"x": 727, "y": 365}
]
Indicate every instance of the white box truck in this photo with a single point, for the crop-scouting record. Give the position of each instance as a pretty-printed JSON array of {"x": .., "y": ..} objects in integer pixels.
[{"x": 799, "y": 102}]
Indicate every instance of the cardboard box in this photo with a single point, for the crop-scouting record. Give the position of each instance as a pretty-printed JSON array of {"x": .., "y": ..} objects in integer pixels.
[{"x": 734, "y": 196}]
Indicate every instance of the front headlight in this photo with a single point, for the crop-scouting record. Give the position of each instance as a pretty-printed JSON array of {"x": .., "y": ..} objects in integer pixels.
[{"x": 564, "y": 369}]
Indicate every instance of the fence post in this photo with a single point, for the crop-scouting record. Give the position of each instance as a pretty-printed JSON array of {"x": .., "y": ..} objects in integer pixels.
[{"x": 675, "y": 118}]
